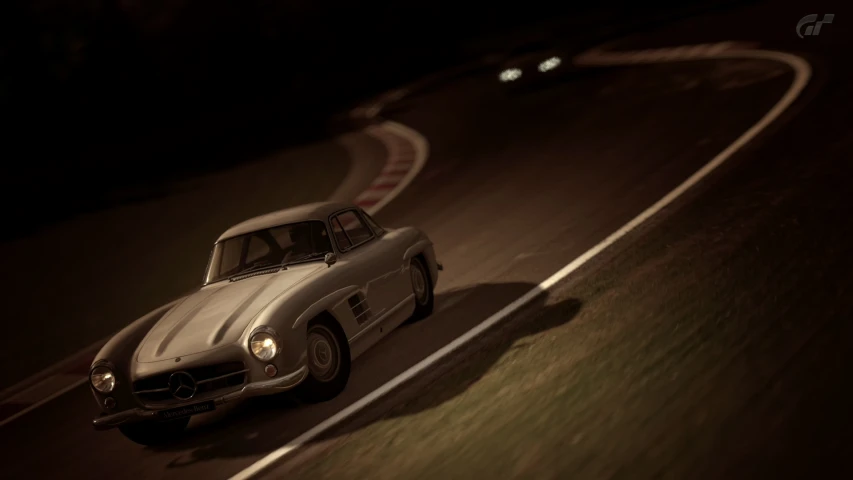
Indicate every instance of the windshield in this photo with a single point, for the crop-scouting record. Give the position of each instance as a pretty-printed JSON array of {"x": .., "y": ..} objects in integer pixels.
[{"x": 271, "y": 247}]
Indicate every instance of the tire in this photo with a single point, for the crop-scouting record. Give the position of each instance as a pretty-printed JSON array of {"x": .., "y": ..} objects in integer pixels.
[
  {"x": 422, "y": 288},
  {"x": 154, "y": 433},
  {"x": 329, "y": 366}
]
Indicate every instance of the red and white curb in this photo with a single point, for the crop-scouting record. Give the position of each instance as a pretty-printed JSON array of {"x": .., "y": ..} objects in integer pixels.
[
  {"x": 602, "y": 56},
  {"x": 407, "y": 153}
]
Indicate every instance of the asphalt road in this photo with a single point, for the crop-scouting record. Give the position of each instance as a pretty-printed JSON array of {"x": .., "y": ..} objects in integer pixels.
[
  {"x": 137, "y": 256},
  {"x": 515, "y": 188}
]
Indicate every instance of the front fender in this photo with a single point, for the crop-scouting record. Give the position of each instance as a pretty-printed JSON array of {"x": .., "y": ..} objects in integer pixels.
[
  {"x": 288, "y": 315},
  {"x": 425, "y": 247},
  {"x": 327, "y": 303},
  {"x": 417, "y": 248},
  {"x": 119, "y": 352}
]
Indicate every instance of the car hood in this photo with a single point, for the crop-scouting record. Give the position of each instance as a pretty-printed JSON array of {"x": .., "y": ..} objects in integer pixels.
[{"x": 216, "y": 315}]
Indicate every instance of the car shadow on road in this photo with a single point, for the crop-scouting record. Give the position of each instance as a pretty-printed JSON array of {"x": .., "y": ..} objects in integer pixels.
[{"x": 261, "y": 425}]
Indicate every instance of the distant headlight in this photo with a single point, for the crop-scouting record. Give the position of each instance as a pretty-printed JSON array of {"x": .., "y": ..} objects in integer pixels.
[
  {"x": 550, "y": 64},
  {"x": 510, "y": 74},
  {"x": 102, "y": 379},
  {"x": 263, "y": 346}
]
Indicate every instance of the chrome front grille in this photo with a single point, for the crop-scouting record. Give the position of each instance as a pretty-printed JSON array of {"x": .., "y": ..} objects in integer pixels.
[{"x": 209, "y": 379}]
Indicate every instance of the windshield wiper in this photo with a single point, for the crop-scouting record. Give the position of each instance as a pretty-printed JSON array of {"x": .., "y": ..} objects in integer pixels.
[
  {"x": 258, "y": 268},
  {"x": 310, "y": 256}
]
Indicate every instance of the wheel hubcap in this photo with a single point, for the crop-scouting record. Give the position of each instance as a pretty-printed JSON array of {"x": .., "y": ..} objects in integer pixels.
[{"x": 323, "y": 353}]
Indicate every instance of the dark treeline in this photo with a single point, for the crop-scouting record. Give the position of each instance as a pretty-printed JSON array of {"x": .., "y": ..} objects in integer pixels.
[{"x": 102, "y": 94}]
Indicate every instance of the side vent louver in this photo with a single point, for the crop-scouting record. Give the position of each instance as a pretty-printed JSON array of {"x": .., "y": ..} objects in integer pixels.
[{"x": 360, "y": 309}]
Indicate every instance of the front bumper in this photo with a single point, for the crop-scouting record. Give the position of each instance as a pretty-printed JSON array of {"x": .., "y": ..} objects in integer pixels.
[{"x": 266, "y": 387}]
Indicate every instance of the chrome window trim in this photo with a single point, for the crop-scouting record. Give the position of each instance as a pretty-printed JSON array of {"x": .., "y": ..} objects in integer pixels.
[
  {"x": 353, "y": 246},
  {"x": 366, "y": 216}
]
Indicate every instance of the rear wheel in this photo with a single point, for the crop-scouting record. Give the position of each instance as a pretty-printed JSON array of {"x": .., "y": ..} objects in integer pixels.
[
  {"x": 153, "y": 432},
  {"x": 422, "y": 288},
  {"x": 328, "y": 362}
]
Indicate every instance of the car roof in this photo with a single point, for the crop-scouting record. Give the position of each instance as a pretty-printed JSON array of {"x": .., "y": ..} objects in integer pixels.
[{"x": 310, "y": 211}]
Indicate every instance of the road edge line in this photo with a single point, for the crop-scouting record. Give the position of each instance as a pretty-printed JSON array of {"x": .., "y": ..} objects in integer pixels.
[
  {"x": 42, "y": 375},
  {"x": 802, "y": 74}
]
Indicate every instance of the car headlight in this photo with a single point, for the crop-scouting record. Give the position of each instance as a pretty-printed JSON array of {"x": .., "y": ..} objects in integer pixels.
[
  {"x": 550, "y": 64},
  {"x": 103, "y": 379},
  {"x": 510, "y": 74},
  {"x": 263, "y": 346}
]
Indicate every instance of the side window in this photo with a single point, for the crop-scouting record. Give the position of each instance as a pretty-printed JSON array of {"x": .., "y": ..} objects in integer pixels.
[
  {"x": 375, "y": 226},
  {"x": 356, "y": 230},
  {"x": 340, "y": 236}
]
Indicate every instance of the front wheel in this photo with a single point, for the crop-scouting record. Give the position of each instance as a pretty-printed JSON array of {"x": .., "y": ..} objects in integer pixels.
[
  {"x": 422, "y": 288},
  {"x": 153, "y": 432},
  {"x": 328, "y": 362}
]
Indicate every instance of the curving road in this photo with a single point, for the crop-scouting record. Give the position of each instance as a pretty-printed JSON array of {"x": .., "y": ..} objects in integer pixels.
[{"x": 515, "y": 188}]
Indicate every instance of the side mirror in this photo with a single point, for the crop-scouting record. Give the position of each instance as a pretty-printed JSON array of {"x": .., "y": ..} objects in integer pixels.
[{"x": 330, "y": 259}]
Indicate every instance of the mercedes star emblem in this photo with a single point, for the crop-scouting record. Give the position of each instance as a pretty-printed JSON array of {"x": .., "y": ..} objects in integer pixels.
[{"x": 182, "y": 385}]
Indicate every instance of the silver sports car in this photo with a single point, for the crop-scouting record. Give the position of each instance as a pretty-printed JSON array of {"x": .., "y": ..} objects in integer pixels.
[{"x": 289, "y": 299}]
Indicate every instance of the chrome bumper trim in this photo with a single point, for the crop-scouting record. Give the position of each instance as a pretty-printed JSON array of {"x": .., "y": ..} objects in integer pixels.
[{"x": 267, "y": 387}]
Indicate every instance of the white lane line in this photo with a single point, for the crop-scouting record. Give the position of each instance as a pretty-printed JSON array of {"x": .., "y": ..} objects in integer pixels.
[
  {"x": 60, "y": 366},
  {"x": 45, "y": 389},
  {"x": 802, "y": 73},
  {"x": 80, "y": 381}
]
